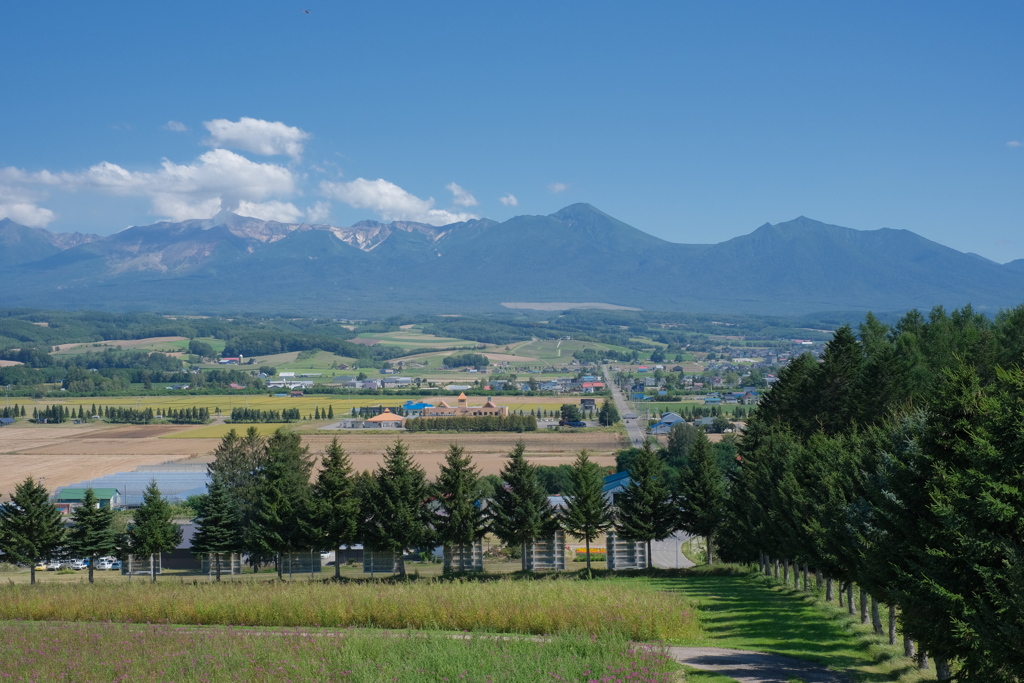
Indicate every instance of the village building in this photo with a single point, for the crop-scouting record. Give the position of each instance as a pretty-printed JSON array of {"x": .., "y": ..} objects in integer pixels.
[
  {"x": 386, "y": 420},
  {"x": 463, "y": 409}
]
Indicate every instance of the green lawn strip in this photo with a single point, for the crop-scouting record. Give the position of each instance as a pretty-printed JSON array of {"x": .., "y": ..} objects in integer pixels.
[
  {"x": 89, "y": 651},
  {"x": 742, "y": 610},
  {"x": 700, "y": 676}
]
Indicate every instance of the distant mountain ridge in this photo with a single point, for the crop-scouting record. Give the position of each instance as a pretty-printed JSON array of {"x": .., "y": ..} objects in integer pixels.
[{"x": 234, "y": 263}]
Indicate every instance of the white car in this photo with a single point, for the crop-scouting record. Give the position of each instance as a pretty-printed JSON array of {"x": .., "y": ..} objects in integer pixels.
[
  {"x": 105, "y": 564},
  {"x": 79, "y": 564},
  {"x": 52, "y": 566}
]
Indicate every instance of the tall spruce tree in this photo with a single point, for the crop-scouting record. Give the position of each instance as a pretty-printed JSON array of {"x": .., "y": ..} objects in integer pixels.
[
  {"x": 399, "y": 518},
  {"x": 702, "y": 494},
  {"x": 337, "y": 503},
  {"x": 587, "y": 512},
  {"x": 92, "y": 533},
  {"x": 153, "y": 530},
  {"x": 520, "y": 512},
  {"x": 218, "y": 524},
  {"x": 31, "y": 528},
  {"x": 283, "y": 519},
  {"x": 645, "y": 509},
  {"x": 459, "y": 519}
]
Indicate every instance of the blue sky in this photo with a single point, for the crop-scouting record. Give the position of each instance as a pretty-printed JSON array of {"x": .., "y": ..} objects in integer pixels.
[{"x": 694, "y": 122}]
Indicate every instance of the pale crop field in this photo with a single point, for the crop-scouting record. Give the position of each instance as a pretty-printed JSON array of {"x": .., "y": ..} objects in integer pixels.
[
  {"x": 163, "y": 344},
  {"x": 63, "y": 454}
]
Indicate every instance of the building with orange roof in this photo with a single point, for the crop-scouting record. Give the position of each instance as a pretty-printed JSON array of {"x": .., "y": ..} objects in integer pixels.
[
  {"x": 386, "y": 420},
  {"x": 463, "y": 409}
]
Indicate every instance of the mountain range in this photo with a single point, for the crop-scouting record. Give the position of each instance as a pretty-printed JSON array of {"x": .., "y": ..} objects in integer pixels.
[{"x": 235, "y": 264}]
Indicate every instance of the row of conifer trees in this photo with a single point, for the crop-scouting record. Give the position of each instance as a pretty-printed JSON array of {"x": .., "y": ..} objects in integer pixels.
[{"x": 890, "y": 470}]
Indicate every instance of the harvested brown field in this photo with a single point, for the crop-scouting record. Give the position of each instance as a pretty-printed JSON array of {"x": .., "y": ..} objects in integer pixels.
[
  {"x": 64, "y": 454},
  {"x": 9, "y": 363}
]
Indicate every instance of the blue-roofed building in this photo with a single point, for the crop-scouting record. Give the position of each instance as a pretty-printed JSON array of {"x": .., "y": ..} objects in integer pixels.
[
  {"x": 411, "y": 409},
  {"x": 4, "y": 421},
  {"x": 615, "y": 483}
]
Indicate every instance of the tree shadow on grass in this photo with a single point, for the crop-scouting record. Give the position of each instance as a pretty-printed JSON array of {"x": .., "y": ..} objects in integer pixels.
[{"x": 739, "y": 609}]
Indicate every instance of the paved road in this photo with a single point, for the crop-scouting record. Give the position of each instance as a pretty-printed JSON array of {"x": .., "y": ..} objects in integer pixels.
[
  {"x": 754, "y": 667},
  {"x": 633, "y": 427}
]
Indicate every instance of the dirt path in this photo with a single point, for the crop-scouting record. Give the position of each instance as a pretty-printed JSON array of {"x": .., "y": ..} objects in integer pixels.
[{"x": 754, "y": 667}]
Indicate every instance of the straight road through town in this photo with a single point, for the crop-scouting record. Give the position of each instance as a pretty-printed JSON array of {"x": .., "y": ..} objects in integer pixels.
[{"x": 633, "y": 426}]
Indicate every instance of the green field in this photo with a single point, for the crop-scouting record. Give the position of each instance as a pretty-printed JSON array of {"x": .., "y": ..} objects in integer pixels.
[{"x": 413, "y": 338}]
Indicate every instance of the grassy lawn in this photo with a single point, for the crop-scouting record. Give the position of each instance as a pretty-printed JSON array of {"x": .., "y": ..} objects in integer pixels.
[
  {"x": 744, "y": 611},
  {"x": 110, "y": 652}
]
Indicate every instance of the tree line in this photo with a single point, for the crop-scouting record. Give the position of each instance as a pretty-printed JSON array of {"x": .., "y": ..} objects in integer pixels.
[
  {"x": 32, "y": 529},
  {"x": 261, "y": 502},
  {"x": 890, "y": 470},
  {"x": 257, "y": 415},
  {"x": 483, "y": 423}
]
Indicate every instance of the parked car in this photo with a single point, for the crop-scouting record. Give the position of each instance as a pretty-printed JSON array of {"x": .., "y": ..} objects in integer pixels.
[
  {"x": 40, "y": 566},
  {"x": 79, "y": 564},
  {"x": 116, "y": 564},
  {"x": 104, "y": 564},
  {"x": 53, "y": 566},
  {"x": 65, "y": 564}
]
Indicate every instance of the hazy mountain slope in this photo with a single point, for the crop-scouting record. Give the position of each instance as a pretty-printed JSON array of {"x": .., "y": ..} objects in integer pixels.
[{"x": 233, "y": 264}]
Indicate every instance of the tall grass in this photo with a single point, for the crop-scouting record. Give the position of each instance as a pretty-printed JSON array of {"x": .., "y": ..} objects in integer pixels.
[
  {"x": 637, "y": 612},
  {"x": 86, "y": 652}
]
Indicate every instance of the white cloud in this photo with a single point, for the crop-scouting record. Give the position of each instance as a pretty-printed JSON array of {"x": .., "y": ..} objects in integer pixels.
[
  {"x": 282, "y": 212},
  {"x": 461, "y": 196},
  {"x": 318, "y": 213},
  {"x": 27, "y": 213},
  {"x": 22, "y": 206},
  {"x": 176, "y": 126},
  {"x": 558, "y": 187},
  {"x": 509, "y": 200},
  {"x": 219, "y": 179},
  {"x": 1013, "y": 143},
  {"x": 269, "y": 138},
  {"x": 390, "y": 202}
]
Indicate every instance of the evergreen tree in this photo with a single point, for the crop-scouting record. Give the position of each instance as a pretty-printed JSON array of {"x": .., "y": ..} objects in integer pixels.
[
  {"x": 521, "y": 511},
  {"x": 646, "y": 511},
  {"x": 399, "y": 518},
  {"x": 337, "y": 504},
  {"x": 92, "y": 532},
  {"x": 608, "y": 414},
  {"x": 283, "y": 519},
  {"x": 330, "y": 412},
  {"x": 152, "y": 530},
  {"x": 702, "y": 494},
  {"x": 587, "y": 512},
  {"x": 238, "y": 461},
  {"x": 31, "y": 528},
  {"x": 218, "y": 524},
  {"x": 460, "y": 518}
]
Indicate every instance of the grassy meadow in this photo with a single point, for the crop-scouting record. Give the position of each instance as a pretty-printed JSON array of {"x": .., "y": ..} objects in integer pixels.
[
  {"x": 323, "y": 626},
  {"x": 105, "y": 652},
  {"x": 542, "y": 607}
]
